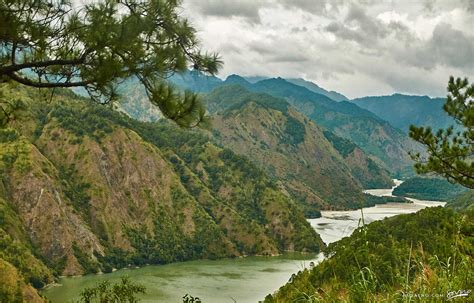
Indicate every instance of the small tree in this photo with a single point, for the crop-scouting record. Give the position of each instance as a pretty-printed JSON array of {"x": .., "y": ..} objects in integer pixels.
[
  {"x": 450, "y": 153},
  {"x": 52, "y": 43},
  {"x": 124, "y": 292}
]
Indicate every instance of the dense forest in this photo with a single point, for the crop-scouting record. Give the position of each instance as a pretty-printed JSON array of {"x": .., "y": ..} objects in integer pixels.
[{"x": 434, "y": 189}]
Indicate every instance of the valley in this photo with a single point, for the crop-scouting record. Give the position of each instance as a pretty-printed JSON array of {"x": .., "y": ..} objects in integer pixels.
[
  {"x": 245, "y": 280},
  {"x": 188, "y": 151}
]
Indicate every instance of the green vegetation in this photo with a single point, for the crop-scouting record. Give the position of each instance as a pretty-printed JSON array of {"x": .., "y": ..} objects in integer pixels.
[
  {"x": 433, "y": 189},
  {"x": 308, "y": 168},
  {"x": 343, "y": 146},
  {"x": 429, "y": 253},
  {"x": 221, "y": 169},
  {"x": 450, "y": 153},
  {"x": 14, "y": 151},
  {"x": 125, "y": 291},
  {"x": 464, "y": 201},
  {"x": 15, "y": 248},
  {"x": 75, "y": 189},
  {"x": 10, "y": 288},
  {"x": 370, "y": 200},
  {"x": 50, "y": 44},
  {"x": 295, "y": 131},
  {"x": 370, "y": 133},
  {"x": 82, "y": 123},
  {"x": 234, "y": 96}
]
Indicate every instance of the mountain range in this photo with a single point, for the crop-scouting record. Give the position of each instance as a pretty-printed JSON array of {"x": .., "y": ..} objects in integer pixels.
[
  {"x": 85, "y": 188},
  {"x": 385, "y": 144}
]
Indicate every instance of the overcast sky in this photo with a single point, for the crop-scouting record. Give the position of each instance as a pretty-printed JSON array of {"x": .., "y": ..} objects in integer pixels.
[{"x": 359, "y": 48}]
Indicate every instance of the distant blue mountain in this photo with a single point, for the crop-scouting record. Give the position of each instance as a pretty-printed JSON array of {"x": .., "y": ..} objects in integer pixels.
[{"x": 403, "y": 110}]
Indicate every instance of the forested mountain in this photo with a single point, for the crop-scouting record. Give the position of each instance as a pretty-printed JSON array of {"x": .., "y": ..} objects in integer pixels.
[
  {"x": 316, "y": 167},
  {"x": 402, "y": 111},
  {"x": 387, "y": 145},
  {"x": 428, "y": 252},
  {"x": 84, "y": 188}
]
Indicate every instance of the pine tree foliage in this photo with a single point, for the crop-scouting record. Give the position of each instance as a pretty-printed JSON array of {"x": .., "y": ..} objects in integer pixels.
[
  {"x": 450, "y": 153},
  {"x": 96, "y": 46}
]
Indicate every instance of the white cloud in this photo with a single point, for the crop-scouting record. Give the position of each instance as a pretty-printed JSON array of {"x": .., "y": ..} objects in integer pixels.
[{"x": 359, "y": 48}]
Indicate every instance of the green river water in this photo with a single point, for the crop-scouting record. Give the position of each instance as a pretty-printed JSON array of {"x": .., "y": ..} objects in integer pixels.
[{"x": 244, "y": 280}]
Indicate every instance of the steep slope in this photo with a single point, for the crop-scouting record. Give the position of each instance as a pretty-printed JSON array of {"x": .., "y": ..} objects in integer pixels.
[
  {"x": 89, "y": 190},
  {"x": 318, "y": 90},
  {"x": 290, "y": 147},
  {"x": 402, "y": 111},
  {"x": 13, "y": 287},
  {"x": 362, "y": 167},
  {"x": 134, "y": 102},
  {"x": 427, "y": 253},
  {"x": 388, "y": 145}
]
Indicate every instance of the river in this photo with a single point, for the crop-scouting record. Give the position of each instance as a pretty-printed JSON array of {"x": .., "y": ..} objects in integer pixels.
[
  {"x": 335, "y": 225},
  {"x": 243, "y": 280}
]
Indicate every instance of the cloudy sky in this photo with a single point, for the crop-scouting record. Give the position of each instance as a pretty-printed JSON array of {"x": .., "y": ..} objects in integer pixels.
[{"x": 359, "y": 48}]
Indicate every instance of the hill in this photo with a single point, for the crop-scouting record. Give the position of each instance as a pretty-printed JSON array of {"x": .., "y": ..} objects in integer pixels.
[
  {"x": 434, "y": 189},
  {"x": 386, "y": 145},
  {"x": 427, "y": 253}
]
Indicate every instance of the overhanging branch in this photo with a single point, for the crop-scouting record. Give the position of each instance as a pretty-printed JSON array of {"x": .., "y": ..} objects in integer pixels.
[{"x": 29, "y": 82}]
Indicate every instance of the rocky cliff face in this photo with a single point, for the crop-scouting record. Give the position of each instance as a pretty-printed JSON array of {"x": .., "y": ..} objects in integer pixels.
[{"x": 90, "y": 189}]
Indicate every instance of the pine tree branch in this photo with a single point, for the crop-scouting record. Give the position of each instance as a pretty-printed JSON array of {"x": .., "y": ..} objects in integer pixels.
[{"x": 29, "y": 82}]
